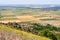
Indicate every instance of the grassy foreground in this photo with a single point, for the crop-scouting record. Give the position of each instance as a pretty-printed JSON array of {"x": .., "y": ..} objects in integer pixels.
[{"x": 9, "y": 33}]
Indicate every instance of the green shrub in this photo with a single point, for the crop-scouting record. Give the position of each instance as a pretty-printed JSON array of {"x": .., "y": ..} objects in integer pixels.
[{"x": 49, "y": 34}]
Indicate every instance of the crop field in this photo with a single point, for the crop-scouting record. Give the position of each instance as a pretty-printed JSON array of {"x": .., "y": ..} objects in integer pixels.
[{"x": 24, "y": 15}]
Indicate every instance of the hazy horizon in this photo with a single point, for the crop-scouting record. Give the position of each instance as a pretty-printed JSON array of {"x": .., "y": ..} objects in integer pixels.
[{"x": 32, "y": 2}]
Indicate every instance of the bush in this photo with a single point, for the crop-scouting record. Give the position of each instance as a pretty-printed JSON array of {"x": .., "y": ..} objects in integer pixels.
[{"x": 49, "y": 34}]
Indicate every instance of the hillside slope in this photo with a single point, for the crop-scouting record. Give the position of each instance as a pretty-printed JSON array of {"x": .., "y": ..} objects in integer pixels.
[{"x": 8, "y": 33}]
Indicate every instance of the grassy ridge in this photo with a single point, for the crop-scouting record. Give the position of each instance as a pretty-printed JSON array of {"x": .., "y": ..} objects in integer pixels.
[{"x": 24, "y": 35}]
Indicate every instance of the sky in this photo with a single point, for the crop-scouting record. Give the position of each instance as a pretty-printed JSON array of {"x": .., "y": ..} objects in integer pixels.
[{"x": 29, "y": 2}]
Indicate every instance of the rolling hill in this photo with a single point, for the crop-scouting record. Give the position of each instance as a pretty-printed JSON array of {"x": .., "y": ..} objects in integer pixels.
[{"x": 8, "y": 33}]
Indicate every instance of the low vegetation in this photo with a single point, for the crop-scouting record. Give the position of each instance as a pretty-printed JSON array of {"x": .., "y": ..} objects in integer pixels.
[
  {"x": 37, "y": 29},
  {"x": 9, "y": 33}
]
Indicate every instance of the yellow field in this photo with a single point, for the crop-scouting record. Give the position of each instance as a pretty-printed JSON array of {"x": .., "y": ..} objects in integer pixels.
[{"x": 27, "y": 18}]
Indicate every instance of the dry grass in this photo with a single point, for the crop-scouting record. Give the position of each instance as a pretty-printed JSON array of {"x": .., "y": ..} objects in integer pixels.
[
  {"x": 7, "y": 33},
  {"x": 20, "y": 19},
  {"x": 27, "y": 18}
]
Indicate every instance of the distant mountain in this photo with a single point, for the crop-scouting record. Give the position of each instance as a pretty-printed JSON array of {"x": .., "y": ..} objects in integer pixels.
[
  {"x": 33, "y": 7},
  {"x": 48, "y": 9}
]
